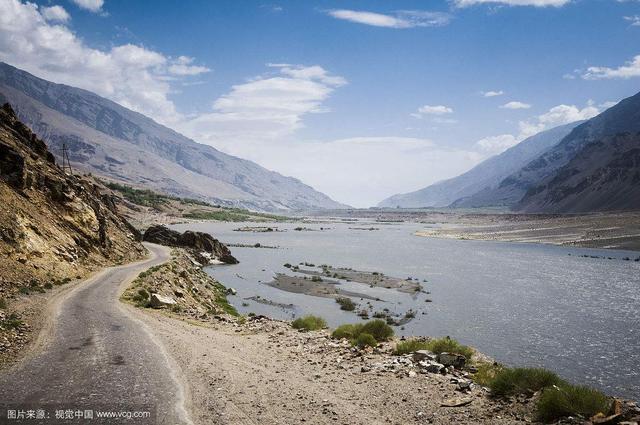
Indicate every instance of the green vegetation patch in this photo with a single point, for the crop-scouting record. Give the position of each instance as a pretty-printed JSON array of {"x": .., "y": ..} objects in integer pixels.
[
  {"x": 346, "y": 303},
  {"x": 309, "y": 323},
  {"x": 365, "y": 340},
  {"x": 570, "y": 400},
  {"x": 378, "y": 329},
  {"x": 410, "y": 346},
  {"x": 522, "y": 380},
  {"x": 448, "y": 345}
]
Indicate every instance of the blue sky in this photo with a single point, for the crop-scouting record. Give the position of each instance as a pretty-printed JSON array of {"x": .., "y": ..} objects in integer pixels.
[{"x": 359, "y": 99}]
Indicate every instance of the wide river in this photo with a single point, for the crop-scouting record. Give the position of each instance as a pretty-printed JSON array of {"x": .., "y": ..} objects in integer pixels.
[{"x": 523, "y": 304}]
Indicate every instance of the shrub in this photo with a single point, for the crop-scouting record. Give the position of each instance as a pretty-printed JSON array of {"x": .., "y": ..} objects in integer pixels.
[
  {"x": 365, "y": 340},
  {"x": 348, "y": 331},
  {"x": 346, "y": 303},
  {"x": 143, "y": 293},
  {"x": 48, "y": 285},
  {"x": 309, "y": 323},
  {"x": 509, "y": 382},
  {"x": 569, "y": 400},
  {"x": 24, "y": 290},
  {"x": 378, "y": 329},
  {"x": 3, "y": 303},
  {"x": 316, "y": 279},
  {"x": 448, "y": 345},
  {"x": 410, "y": 346}
]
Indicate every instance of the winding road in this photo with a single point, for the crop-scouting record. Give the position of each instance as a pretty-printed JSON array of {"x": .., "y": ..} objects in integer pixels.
[{"x": 97, "y": 359}]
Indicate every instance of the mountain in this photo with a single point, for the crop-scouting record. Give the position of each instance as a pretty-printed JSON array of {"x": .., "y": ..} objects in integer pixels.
[
  {"x": 595, "y": 168},
  {"x": 521, "y": 185},
  {"x": 484, "y": 177},
  {"x": 52, "y": 225},
  {"x": 107, "y": 139}
]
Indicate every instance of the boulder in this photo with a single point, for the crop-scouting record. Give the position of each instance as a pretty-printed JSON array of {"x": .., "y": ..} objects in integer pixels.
[
  {"x": 421, "y": 355},
  {"x": 431, "y": 367},
  {"x": 452, "y": 359},
  {"x": 158, "y": 301}
]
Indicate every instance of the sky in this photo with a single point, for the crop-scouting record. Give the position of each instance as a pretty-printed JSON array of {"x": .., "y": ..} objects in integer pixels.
[{"x": 359, "y": 99}]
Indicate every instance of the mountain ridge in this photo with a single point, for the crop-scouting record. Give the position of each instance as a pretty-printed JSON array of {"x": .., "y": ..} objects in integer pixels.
[{"x": 108, "y": 139}]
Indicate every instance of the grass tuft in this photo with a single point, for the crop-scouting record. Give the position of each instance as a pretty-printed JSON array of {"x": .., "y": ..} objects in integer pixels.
[
  {"x": 378, "y": 329},
  {"x": 309, "y": 323},
  {"x": 564, "y": 400},
  {"x": 508, "y": 382}
]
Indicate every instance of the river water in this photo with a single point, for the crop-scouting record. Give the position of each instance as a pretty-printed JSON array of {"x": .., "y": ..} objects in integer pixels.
[{"x": 523, "y": 304}]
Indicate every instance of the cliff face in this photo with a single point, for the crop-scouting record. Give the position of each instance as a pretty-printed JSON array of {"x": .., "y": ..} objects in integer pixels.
[{"x": 53, "y": 225}]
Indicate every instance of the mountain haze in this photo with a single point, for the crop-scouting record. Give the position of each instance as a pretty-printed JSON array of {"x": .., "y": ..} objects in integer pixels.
[
  {"x": 112, "y": 141},
  {"x": 484, "y": 177}
]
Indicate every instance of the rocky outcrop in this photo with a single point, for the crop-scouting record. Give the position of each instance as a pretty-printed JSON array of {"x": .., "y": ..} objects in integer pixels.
[
  {"x": 202, "y": 245},
  {"x": 53, "y": 225}
]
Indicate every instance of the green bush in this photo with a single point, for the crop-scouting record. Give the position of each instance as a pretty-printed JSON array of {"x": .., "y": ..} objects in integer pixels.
[
  {"x": 378, "y": 329},
  {"x": 143, "y": 293},
  {"x": 448, "y": 345},
  {"x": 346, "y": 303},
  {"x": 48, "y": 285},
  {"x": 410, "y": 346},
  {"x": 569, "y": 400},
  {"x": 509, "y": 382},
  {"x": 365, "y": 340},
  {"x": 347, "y": 331},
  {"x": 309, "y": 323}
]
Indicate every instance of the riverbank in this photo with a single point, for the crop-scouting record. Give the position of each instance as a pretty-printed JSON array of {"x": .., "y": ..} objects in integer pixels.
[{"x": 255, "y": 369}]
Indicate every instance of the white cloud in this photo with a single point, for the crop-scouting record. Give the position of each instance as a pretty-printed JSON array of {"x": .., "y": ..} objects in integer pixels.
[
  {"x": 635, "y": 20},
  {"x": 516, "y": 105},
  {"x": 399, "y": 19},
  {"x": 134, "y": 76},
  {"x": 90, "y": 5},
  {"x": 628, "y": 70},
  {"x": 608, "y": 104},
  {"x": 535, "y": 3},
  {"x": 496, "y": 144},
  {"x": 558, "y": 115},
  {"x": 55, "y": 13},
  {"x": 432, "y": 110},
  {"x": 266, "y": 107},
  {"x": 492, "y": 93},
  {"x": 183, "y": 66}
]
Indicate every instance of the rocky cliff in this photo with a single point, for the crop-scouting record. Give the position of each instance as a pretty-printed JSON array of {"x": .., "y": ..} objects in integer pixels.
[{"x": 53, "y": 226}]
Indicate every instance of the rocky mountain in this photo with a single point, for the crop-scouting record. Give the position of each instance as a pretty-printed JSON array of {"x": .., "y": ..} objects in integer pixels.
[
  {"x": 109, "y": 140},
  {"x": 467, "y": 189},
  {"x": 53, "y": 226},
  {"x": 603, "y": 176},
  {"x": 518, "y": 189}
]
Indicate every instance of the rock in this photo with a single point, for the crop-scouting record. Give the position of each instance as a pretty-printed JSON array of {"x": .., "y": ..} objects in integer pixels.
[
  {"x": 232, "y": 291},
  {"x": 456, "y": 402},
  {"x": 197, "y": 242},
  {"x": 158, "y": 301},
  {"x": 601, "y": 419},
  {"x": 452, "y": 359},
  {"x": 421, "y": 355},
  {"x": 178, "y": 293},
  {"x": 432, "y": 367}
]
